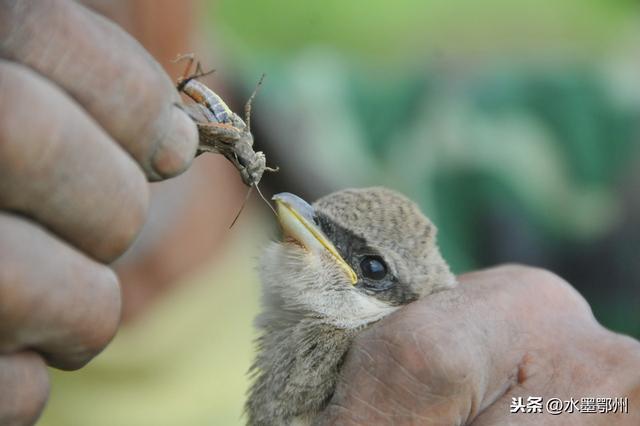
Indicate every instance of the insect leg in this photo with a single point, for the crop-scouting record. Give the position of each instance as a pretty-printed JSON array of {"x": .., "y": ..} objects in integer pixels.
[
  {"x": 247, "y": 106},
  {"x": 190, "y": 57},
  {"x": 186, "y": 75},
  {"x": 216, "y": 133}
]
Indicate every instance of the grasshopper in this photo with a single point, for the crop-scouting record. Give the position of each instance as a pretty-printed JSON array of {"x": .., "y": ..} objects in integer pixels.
[{"x": 221, "y": 130}]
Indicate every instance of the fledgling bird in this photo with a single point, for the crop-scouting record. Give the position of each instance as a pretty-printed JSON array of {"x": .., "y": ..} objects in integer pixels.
[{"x": 349, "y": 260}]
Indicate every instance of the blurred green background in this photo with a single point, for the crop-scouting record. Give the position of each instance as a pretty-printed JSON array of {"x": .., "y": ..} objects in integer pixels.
[{"x": 514, "y": 124}]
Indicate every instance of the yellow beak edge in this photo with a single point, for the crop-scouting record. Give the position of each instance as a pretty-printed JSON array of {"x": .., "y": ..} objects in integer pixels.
[{"x": 296, "y": 218}]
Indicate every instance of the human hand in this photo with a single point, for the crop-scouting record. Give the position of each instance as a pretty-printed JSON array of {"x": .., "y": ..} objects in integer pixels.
[
  {"x": 459, "y": 356},
  {"x": 85, "y": 114}
]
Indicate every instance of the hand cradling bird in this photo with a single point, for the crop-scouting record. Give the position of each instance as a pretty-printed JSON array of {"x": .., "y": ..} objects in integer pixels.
[{"x": 349, "y": 260}]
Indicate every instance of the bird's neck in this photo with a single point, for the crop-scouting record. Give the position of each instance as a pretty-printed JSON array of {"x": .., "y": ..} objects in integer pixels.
[{"x": 296, "y": 370}]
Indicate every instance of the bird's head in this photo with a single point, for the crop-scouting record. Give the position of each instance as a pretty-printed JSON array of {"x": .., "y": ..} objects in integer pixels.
[{"x": 351, "y": 258}]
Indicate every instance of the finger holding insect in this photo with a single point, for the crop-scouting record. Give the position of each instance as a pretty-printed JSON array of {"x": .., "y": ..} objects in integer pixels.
[{"x": 108, "y": 73}]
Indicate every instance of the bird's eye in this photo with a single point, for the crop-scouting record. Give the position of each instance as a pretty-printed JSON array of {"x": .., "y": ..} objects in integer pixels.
[{"x": 373, "y": 267}]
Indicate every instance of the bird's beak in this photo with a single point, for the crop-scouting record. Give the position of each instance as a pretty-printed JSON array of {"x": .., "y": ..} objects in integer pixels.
[{"x": 296, "y": 217}]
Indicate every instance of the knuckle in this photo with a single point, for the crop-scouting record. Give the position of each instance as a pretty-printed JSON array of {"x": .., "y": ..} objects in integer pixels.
[
  {"x": 531, "y": 278},
  {"x": 539, "y": 275},
  {"x": 68, "y": 308},
  {"x": 525, "y": 272},
  {"x": 127, "y": 220},
  {"x": 38, "y": 393},
  {"x": 98, "y": 327},
  {"x": 29, "y": 381},
  {"x": 124, "y": 201},
  {"x": 542, "y": 284},
  {"x": 549, "y": 283}
]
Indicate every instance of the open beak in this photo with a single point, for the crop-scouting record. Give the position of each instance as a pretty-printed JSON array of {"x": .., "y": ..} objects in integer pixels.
[{"x": 296, "y": 217}]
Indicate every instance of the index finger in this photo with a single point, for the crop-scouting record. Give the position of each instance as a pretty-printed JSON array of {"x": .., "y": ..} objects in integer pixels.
[{"x": 108, "y": 73}]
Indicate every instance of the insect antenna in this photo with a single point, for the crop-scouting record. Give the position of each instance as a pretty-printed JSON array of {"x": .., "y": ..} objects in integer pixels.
[
  {"x": 244, "y": 202},
  {"x": 265, "y": 200},
  {"x": 247, "y": 106},
  {"x": 246, "y": 198}
]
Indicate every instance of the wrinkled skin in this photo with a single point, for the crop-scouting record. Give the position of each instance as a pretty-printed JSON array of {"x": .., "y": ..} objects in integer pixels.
[
  {"x": 459, "y": 356},
  {"x": 86, "y": 117}
]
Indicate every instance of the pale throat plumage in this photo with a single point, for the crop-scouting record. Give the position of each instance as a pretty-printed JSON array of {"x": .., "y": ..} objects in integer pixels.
[{"x": 349, "y": 260}]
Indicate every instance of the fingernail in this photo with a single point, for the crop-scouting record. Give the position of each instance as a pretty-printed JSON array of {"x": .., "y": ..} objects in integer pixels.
[{"x": 176, "y": 151}]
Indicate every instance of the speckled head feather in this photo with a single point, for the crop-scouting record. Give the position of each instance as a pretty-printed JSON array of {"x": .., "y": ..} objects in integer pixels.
[
  {"x": 348, "y": 260},
  {"x": 380, "y": 221}
]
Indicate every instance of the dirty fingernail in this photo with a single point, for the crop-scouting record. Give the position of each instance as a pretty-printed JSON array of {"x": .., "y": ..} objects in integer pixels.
[{"x": 176, "y": 151}]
